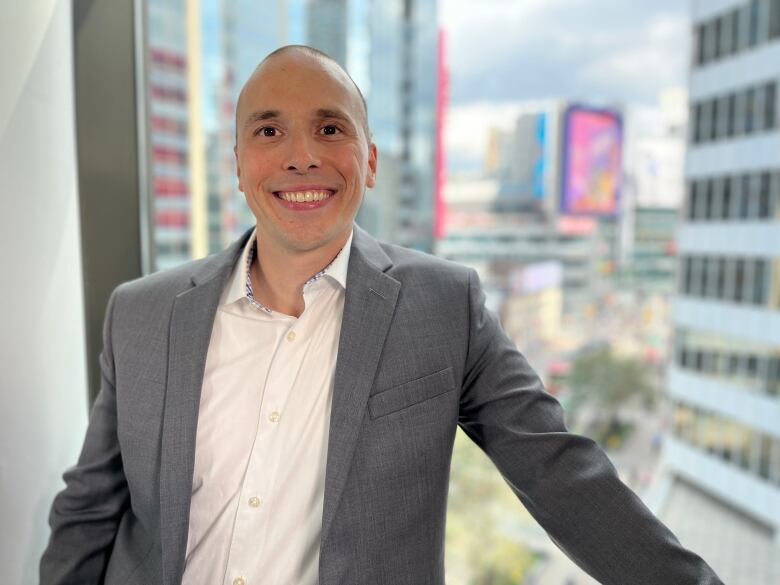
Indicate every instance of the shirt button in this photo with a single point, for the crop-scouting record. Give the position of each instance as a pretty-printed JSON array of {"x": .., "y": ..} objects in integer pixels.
[
  {"x": 254, "y": 502},
  {"x": 239, "y": 581},
  {"x": 274, "y": 417},
  {"x": 291, "y": 336}
]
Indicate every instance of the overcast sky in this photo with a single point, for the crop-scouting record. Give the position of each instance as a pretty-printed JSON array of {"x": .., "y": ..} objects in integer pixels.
[{"x": 503, "y": 53}]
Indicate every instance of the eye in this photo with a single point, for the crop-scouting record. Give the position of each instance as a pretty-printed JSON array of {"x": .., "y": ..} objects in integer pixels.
[
  {"x": 330, "y": 130},
  {"x": 267, "y": 131}
]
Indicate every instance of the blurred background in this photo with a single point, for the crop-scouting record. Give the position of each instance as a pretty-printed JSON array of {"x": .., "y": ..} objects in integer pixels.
[{"x": 611, "y": 169}]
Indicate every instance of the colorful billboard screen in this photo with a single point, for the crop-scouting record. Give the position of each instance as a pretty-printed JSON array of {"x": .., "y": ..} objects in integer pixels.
[{"x": 593, "y": 153}]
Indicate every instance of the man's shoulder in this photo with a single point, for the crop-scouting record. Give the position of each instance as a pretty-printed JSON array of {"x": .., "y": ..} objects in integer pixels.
[
  {"x": 170, "y": 281},
  {"x": 414, "y": 264}
]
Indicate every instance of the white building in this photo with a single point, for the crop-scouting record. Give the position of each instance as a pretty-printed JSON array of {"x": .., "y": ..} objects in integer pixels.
[{"x": 724, "y": 381}]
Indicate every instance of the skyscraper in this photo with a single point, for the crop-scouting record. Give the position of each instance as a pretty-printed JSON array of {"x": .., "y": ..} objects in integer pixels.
[
  {"x": 724, "y": 382},
  {"x": 169, "y": 130},
  {"x": 401, "y": 94}
]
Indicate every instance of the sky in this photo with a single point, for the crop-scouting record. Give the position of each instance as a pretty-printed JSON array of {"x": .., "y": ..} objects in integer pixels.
[{"x": 504, "y": 54}]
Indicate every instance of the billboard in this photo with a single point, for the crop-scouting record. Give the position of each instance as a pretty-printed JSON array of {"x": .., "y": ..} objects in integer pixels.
[{"x": 592, "y": 161}]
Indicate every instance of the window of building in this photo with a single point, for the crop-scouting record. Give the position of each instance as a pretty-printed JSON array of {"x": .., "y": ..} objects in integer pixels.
[
  {"x": 698, "y": 44},
  {"x": 731, "y": 114},
  {"x": 720, "y": 285},
  {"x": 744, "y": 197},
  {"x": 708, "y": 197},
  {"x": 693, "y": 192},
  {"x": 754, "y": 22},
  {"x": 774, "y": 19},
  {"x": 739, "y": 280},
  {"x": 770, "y": 103},
  {"x": 725, "y": 208},
  {"x": 688, "y": 275},
  {"x": 740, "y": 111},
  {"x": 764, "y": 196},
  {"x": 750, "y": 111},
  {"x": 759, "y": 282},
  {"x": 774, "y": 195},
  {"x": 718, "y": 42}
]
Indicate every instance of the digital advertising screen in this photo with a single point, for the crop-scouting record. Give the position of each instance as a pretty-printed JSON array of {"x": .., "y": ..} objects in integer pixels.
[{"x": 593, "y": 159}]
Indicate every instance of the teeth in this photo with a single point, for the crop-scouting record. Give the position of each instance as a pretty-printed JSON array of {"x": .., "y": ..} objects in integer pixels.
[{"x": 304, "y": 196}]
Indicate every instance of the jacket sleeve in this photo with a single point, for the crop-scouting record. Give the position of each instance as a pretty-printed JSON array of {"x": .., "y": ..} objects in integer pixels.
[
  {"x": 565, "y": 481},
  {"x": 84, "y": 517}
]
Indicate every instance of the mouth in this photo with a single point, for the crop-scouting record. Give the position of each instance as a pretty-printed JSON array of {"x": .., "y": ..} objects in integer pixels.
[{"x": 305, "y": 196}]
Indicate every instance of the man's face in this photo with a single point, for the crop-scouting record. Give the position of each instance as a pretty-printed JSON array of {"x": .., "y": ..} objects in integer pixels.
[{"x": 302, "y": 157}]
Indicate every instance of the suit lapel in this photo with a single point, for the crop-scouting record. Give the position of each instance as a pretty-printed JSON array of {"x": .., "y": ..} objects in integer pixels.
[
  {"x": 190, "y": 332},
  {"x": 369, "y": 305}
]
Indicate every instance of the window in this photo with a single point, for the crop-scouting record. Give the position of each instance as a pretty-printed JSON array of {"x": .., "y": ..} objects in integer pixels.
[
  {"x": 710, "y": 41},
  {"x": 759, "y": 282},
  {"x": 708, "y": 196},
  {"x": 698, "y": 56},
  {"x": 764, "y": 196},
  {"x": 774, "y": 195},
  {"x": 718, "y": 51},
  {"x": 693, "y": 188},
  {"x": 715, "y": 211},
  {"x": 688, "y": 275},
  {"x": 744, "y": 197},
  {"x": 754, "y": 22},
  {"x": 725, "y": 209},
  {"x": 720, "y": 287},
  {"x": 740, "y": 111},
  {"x": 744, "y": 28},
  {"x": 731, "y": 115},
  {"x": 770, "y": 102},
  {"x": 722, "y": 117},
  {"x": 739, "y": 280},
  {"x": 774, "y": 19},
  {"x": 750, "y": 99},
  {"x": 706, "y": 121},
  {"x": 711, "y": 277}
]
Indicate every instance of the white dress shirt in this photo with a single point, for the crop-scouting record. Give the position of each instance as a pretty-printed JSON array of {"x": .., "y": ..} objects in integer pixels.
[{"x": 262, "y": 436}]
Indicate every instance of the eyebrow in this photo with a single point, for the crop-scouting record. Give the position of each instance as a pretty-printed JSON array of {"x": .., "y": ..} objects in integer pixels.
[
  {"x": 263, "y": 115},
  {"x": 260, "y": 116},
  {"x": 337, "y": 114}
]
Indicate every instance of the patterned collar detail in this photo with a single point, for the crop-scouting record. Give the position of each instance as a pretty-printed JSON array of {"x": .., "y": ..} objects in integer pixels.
[{"x": 248, "y": 286}]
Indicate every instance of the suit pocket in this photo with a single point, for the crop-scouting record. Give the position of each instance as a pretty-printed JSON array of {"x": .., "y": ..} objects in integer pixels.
[{"x": 410, "y": 393}]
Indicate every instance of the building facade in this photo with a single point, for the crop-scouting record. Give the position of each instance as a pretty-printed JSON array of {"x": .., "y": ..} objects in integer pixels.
[{"x": 724, "y": 379}]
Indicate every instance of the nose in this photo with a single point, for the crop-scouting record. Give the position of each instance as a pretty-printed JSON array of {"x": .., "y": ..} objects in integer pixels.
[{"x": 301, "y": 155}]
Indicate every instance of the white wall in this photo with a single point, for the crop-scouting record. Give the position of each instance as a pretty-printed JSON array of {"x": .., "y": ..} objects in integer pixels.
[{"x": 43, "y": 397}]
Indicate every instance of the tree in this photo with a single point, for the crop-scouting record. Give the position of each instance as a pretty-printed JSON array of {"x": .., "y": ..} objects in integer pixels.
[{"x": 609, "y": 383}]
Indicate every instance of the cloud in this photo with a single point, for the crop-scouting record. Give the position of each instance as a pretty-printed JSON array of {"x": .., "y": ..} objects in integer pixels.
[{"x": 505, "y": 50}]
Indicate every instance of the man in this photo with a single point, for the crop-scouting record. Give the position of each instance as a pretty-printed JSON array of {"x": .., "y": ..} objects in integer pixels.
[{"x": 284, "y": 412}]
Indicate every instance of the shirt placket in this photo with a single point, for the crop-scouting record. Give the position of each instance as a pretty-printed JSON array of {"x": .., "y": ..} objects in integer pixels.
[{"x": 255, "y": 509}]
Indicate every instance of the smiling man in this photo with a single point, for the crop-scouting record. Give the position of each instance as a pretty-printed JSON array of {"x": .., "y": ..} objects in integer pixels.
[{"x": 284, "y": 412}]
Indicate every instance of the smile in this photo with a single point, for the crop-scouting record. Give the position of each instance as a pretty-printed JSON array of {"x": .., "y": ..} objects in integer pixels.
[{"x": 303, "y": 196}]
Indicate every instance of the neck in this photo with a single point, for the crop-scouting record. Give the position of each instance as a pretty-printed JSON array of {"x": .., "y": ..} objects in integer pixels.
[{"x": 278, "y": 275}]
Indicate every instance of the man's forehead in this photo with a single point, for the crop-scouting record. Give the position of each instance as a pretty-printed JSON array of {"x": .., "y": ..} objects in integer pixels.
[{"x": 295, "y": 68}]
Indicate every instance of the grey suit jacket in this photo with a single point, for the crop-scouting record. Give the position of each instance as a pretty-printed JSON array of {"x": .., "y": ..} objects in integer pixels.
[{"x": 418, "y": 356}]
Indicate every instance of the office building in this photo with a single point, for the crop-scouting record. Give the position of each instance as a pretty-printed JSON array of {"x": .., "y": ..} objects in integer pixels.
[{"x": 724, "y": 381}]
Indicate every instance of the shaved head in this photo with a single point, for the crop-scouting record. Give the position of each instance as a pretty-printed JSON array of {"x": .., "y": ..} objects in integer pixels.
[{"x": 312, "y": 53}]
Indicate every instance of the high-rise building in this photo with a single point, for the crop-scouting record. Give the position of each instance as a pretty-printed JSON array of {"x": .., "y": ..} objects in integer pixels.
[
  {"x": 169, "y": 131},
  {"x": 724, "y": 381},
  {"x": 402, "y": 99}
]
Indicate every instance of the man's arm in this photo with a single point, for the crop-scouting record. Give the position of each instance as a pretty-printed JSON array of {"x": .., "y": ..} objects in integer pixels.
[
  {"x": 85, "y": 515},
  {"x": 565, "y": 481}
]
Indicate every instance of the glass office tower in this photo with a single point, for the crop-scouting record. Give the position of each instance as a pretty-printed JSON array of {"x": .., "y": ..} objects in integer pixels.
[{"x": 401, "y": 98}]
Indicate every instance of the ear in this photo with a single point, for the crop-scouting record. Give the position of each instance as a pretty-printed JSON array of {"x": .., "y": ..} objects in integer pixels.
[
  {"x": 238, "y": 168},
  {"x": 372, "y": 158}
]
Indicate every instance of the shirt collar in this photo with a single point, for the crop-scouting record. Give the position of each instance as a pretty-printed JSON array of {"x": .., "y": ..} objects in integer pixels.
[{"x": 240, "y": 286}]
